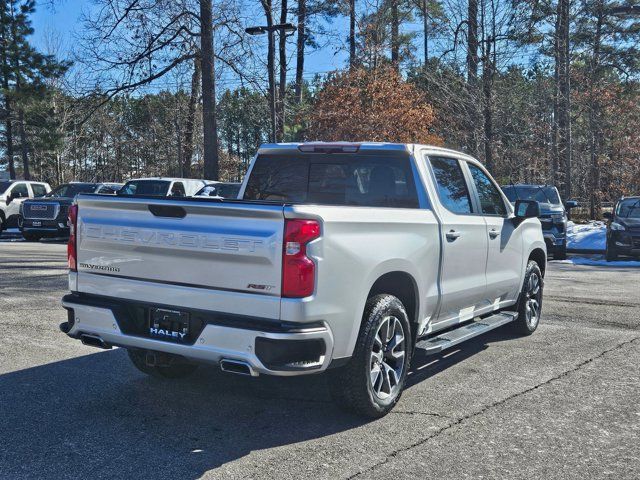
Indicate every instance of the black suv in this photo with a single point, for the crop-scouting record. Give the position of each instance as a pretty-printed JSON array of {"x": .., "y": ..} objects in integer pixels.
[
  {"x": 623, "y": 230},
  {"x": 553, "y": 214},
  {"x": 47, "y": 216}
]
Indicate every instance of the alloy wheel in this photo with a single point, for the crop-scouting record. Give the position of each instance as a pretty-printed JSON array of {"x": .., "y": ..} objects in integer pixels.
[
  {"x": 388, "y": 358},
  {"x": 533, "y": 300}
]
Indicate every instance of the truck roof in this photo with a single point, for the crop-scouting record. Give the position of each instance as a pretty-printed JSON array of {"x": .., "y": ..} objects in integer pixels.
[{"x": 370, "y": 146}]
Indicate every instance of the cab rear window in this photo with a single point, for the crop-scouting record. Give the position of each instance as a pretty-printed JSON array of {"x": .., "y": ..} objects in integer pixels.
[{"x": 357, "y": 180}]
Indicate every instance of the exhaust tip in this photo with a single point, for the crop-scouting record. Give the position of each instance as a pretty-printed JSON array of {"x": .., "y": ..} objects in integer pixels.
[
  {"x": 238, "y": 367},
  {"x": 93, "y": 341}
]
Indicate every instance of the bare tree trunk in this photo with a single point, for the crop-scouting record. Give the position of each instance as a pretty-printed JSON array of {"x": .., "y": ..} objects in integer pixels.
[
  {"x": 282, "y": 90},
  {"x": 301, "y": 39},
  {"x": 24, "y": 147},
  {"x": 266, "y": 5},
  {"x": 472, "y": 42},
  {"x": 425, "y": 29},
  {"x": 472, "y": 75},
  {"x": 564, "y": 90},
  {"x": 395, "y": 35},
  {"x": 352, "y": 33},
  {"x": 209, "y": 126},
  {"x": 595, "y": 116},
  {"x": 487, "y": 84},
  {"x": 8, "y": 132},
  {"x": 187, "y": 152}
]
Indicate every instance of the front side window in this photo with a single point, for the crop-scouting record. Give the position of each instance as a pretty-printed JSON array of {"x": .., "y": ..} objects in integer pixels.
[
  {"x": 491, "y": 202},
  {"x": 452, "y": 187},
  {"x": 178, "y": 190},
  {"x": 20, "y": 191}
]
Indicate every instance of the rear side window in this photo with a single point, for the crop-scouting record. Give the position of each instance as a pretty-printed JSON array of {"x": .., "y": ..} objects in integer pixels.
[
  {"x": 452, "y": 187},
  {"x": 356, "y": 180},
  {"x": 38, "y": 190}
]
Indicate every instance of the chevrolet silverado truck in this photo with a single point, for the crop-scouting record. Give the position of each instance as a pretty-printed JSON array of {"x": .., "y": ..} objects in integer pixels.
[{"x": 344, "y": 258}]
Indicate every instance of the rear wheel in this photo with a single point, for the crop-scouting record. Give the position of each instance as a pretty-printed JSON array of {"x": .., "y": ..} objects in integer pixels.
[
  {"x": 530, "y": 303},
  {"x": 373, "y": 380},
  {"x": 171, "y": 366}
]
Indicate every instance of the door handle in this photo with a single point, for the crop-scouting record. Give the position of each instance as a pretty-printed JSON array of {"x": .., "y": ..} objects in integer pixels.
[
  {"x": 493, "y": 233},
  {"x": 452, "y": 235}
]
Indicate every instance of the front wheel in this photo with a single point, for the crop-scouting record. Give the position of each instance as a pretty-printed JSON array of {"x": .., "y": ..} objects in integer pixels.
[
  {"x": 611, "y": 253},
  {"x": 530, "y": 303},
  {"x": 373, "y": 380}
]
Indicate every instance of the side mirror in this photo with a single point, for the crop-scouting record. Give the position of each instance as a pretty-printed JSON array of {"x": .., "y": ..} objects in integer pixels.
[
  {"x": 569, "y": 204},
  {"x": 527, "y": 209},
  {"x": 607, "y": 215},
  {"x": 9, "y": 199}
]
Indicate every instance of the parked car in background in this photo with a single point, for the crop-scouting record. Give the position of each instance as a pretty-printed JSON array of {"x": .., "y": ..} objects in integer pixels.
[
  {"x": 219, "y": 190},
  {"x": 47, "y": 215},
  {"x": 163, "y": 187},
  {"x": 12, "y": 194},
  {"x": 623, "y": 229},
  {"x": 337, "y": 256},
  {"x": 553, "y": 213}
]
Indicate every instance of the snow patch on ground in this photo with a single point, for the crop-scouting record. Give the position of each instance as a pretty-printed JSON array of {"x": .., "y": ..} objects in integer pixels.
[
  {"x": 588, "y": 236},
  {"x": 599, "y": 261}
]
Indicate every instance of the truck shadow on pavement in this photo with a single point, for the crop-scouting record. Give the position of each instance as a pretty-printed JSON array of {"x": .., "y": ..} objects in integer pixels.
[{"x": 96, "y": 416}]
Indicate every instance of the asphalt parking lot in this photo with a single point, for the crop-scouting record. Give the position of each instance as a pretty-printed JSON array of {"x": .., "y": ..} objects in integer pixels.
[{"x": 563, "y": 403}]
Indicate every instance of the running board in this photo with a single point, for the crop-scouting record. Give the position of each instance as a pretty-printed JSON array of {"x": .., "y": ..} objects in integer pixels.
[{"x": 466, "y": 332}]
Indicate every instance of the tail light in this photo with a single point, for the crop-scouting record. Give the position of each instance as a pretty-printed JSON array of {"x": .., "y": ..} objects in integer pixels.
[
  {"x": 72, "y": 251},
  {"x": 298, "y": 270}
]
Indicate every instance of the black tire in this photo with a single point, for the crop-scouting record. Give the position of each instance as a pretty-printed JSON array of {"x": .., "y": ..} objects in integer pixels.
[
  {"x": 611, "y": 254},
  {"x": 31, "y": 237},
  {"x": 178, "y": 368},
  {"x": 530, "y": 301},
  {"x": 353, "y": 386},
  {"x": 560, "y": 252},
  {"x": 1, "y": 223}
]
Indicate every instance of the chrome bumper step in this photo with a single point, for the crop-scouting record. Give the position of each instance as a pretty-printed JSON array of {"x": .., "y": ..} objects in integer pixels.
[{"x": 470, "y": 330}]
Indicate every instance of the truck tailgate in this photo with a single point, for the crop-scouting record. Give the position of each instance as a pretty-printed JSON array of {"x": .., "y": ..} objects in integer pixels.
[{"x": 234, "y": 247}]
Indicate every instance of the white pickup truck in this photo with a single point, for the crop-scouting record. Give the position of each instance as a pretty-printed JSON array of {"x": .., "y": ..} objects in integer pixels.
[{"x": 339, "y": 257}]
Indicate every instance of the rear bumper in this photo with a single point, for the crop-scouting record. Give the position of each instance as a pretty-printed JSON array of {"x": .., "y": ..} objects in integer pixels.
[{"x": 217, "y": 341}]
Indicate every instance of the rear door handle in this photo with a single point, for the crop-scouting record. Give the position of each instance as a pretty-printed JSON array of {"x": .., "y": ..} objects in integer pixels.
[
  {"x": 452, "y": 235},
  {"x": 493, "y": 233}
]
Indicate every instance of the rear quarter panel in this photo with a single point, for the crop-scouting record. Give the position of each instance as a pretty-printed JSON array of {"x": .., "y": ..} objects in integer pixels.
[{"x": 357, "y": 246}]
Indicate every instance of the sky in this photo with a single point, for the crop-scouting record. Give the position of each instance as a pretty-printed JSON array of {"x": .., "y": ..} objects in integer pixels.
[{"x": 63, "y": 22}]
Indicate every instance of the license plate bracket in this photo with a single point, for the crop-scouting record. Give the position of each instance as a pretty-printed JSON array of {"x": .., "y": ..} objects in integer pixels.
[{"x": 170, "y": 325}]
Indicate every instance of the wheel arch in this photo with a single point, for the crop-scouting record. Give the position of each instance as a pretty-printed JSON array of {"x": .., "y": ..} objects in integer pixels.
[
  {"x": 402, "y": 285},
  {"x": 539, "y": 256}
]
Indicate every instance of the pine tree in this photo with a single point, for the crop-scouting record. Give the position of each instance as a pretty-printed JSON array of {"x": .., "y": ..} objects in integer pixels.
[{"x": 23, "y": 72}]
